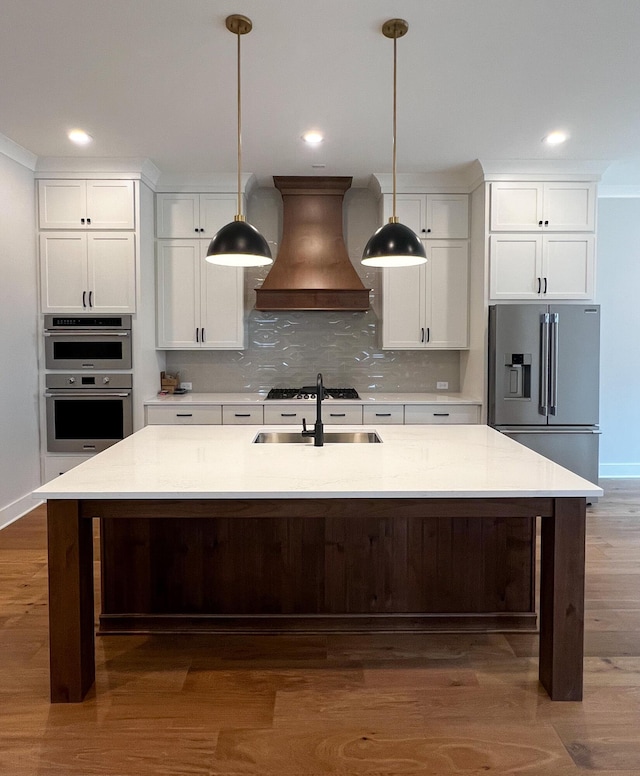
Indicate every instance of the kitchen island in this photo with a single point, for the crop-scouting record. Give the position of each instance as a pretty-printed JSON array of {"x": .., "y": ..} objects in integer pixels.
[{"x": 297, "y": 526}]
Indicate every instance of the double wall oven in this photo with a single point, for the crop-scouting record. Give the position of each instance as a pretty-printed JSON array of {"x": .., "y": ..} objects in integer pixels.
[{"x": 88, "y": 392}]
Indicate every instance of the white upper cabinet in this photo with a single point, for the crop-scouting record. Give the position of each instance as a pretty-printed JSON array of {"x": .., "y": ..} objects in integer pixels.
[
  {"x": 427, "y": 307},
  {"x": 199, "y": 305},
  {"x": 193, "y": 215},
  {"x": 552, "y": 266},
  {"x": 432, "y": 216},
  {"x": 90, "y": 204},
  {"x": 534, "y": 207},
  {"x": 83, "y": 272}
]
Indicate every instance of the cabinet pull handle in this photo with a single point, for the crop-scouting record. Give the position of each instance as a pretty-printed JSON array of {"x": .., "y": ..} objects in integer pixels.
[
  {"x": 546, "y": 223},
  {"x": 90, "y": 298},
  {"x": 440, "y": 414},
  {"x": 197, "y": 335},
  {"x": 422, "y": 334},
  {"x": 539, "y": 284},
  {"x": 196, "y": 229},
  {"x": 82, "y": 220},
  {"x": 184, "y": 414},
  {"x": 337, "y": 414},
  {"x": 242, "y": 414},
  {"x": 383, "y": 414},
  {"x": 88, "y": 220},
  {"x": 539, "y": 223},
  {"x": 428, "y": 334},
  {"x": 545, "y": 285},
  {"x": 202, "y": 337},
  {"x": 288, "y": 414},
  {"x": 84, "y": 298}
]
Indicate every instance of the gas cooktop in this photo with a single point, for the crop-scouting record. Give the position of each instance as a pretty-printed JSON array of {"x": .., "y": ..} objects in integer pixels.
[{"x": 309, "y": 392}]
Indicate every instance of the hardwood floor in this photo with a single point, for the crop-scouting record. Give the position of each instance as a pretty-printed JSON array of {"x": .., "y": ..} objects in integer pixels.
[{"x": 333, "y": 704}]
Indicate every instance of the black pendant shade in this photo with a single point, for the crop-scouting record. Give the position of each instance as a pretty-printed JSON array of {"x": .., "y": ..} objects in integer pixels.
[
  {"x": 239, "y": 244},
  {"x": 394, "y": 245}
]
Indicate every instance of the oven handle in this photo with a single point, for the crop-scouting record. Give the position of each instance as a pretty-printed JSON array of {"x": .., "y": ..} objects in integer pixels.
[
  {"x": 86, "y": 333},
  {"x": 70, "y": 393}
]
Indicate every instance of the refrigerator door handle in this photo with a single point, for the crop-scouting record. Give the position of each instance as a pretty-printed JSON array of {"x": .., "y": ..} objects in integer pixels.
[
  {"x": 553, "y": 382},
  {"x": 543, "y": 407}
]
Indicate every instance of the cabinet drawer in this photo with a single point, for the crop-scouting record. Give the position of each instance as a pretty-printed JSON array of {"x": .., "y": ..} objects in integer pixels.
[
  {"x": 339, "y": 413},
  {"x": 237, "y": 414},
  {"x": 207, "y": 416},
  {"x": 437, "y": 413},
  {"x": 383, "y": 413},
  {"x": 283, "y": 414}
]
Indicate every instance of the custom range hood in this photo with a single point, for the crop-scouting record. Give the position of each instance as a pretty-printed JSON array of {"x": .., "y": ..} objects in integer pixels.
[{"x": 313, "y": 270}]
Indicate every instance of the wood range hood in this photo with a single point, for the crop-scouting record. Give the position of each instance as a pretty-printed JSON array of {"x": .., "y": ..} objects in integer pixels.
[{"x": 313, "y": 270}]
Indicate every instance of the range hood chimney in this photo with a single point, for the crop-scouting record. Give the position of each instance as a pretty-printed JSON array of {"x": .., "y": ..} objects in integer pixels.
[{"x": 313, "y": 270}]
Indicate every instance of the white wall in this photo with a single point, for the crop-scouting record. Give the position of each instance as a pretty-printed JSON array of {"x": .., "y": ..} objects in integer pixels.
[
  {"x": 19, "y": 439},
  {"x": 618, "y": 291}
]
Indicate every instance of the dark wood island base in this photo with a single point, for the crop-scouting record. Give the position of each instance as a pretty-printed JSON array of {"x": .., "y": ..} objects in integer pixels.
[{"x": 327, "y": 564}]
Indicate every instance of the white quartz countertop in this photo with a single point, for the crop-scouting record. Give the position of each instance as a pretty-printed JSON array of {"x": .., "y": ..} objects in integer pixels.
[
  {"x": 260, "y": 398},
  {"x": 188, "y": 462}
]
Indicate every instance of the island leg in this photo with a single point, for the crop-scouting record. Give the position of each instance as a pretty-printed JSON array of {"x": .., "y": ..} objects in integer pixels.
[
  {"x": 562, "y": 600},
  {"x": 71, "y": 608}
]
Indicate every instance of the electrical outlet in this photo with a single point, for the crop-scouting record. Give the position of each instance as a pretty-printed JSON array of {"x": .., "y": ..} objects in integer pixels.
[
  {"x": 442, "y": 385},
  {"x": 186, "y": 386}
]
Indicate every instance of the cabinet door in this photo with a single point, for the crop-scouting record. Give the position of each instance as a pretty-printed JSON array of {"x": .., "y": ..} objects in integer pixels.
[
  {"x": 178, "y": 215},
  {"x": 403, "y": 289},
  {"x": 447, "y": 294},
  {"x": 110, "y": 205},
  {"x": 216, "y": 210},
  {"x": 63, "y": 272},
  {"x": 61, "y": 204},
  {"x": 178, "y": 293},
  {"x": 447, "y": 216},
  {"x": 111, "y": 271},
  {"x": 409, "y": 209},
  {"x": 222, "y": 305},
  {"x": 516, "y": 207},
  {"x": 569, "y": 207},
  {"x": 568, "y": 266},
  {"x": 515, "y": 266}
]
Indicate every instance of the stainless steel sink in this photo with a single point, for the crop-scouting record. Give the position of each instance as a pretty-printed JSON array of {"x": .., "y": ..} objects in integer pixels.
[{"x": 330, "y": 437}]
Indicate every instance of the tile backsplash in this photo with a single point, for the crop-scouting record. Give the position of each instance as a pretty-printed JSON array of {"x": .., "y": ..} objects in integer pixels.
[{"x": 287, "y": 349}]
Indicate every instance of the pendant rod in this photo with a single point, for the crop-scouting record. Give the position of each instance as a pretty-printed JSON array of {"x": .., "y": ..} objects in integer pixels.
[
  {"x": 239, "y": 131},
  {"x": 395, "y": 127}
]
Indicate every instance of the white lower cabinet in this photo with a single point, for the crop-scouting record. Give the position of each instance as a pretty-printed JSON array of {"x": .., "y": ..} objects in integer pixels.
[
  {"x": 383, "y": 413},
  {"x": 55, "y": 465},
  {"x": 293, "y": 414},
  {"x": 238, "y": 414},
  {"x": 176, "y": 415},
  {"x": 332, "y": 413},
  {"x": 552, "y": 266},
  {"x": 427, "y": 307},
  {"x": 199, "y": 305},
  {"x": 439, "y": 413}
]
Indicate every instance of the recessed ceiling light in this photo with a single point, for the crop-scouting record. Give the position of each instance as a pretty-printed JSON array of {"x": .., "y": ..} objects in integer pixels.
[
  {"x": 555, "y": 138},
  {"x": 313, "y": 137},
  {"x": 79, "y": 136}
]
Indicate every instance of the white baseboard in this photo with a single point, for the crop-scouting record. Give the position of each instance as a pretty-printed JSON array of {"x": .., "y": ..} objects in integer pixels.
[
  {"x": 17, "y": 509},
  {"x": 619, "y": 470}
]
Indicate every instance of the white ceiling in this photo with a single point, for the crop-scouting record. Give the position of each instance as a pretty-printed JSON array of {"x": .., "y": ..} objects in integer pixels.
[{"x": 482, "y": 79}]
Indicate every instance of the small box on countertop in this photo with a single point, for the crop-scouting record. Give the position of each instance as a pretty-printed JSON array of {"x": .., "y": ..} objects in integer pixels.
[{"x": 168, "y": 382}]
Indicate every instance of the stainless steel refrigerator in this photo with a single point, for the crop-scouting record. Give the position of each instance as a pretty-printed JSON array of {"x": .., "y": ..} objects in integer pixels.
[{"x": 544, "y": 364}]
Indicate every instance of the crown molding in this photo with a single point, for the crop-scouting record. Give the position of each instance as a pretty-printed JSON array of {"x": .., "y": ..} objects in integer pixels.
[
  {"x": 135, "y": 168},
  {"x": 17, "y": 153},
  {"x": 206, "y": 183},
  {"x": 541, "y": 169}
]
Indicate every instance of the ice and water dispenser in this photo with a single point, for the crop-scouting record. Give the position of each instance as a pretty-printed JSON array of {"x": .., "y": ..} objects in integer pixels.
[{"x": 517, "y": 376}]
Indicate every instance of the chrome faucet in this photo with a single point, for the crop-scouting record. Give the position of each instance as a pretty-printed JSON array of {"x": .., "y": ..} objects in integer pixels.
[{"x": 318, "y": 429}]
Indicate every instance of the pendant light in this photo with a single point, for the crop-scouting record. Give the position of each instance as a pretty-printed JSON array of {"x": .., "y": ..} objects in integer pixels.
[
  {"x": 394, "y": 244},
  {"x": 239, "y": 244}
]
